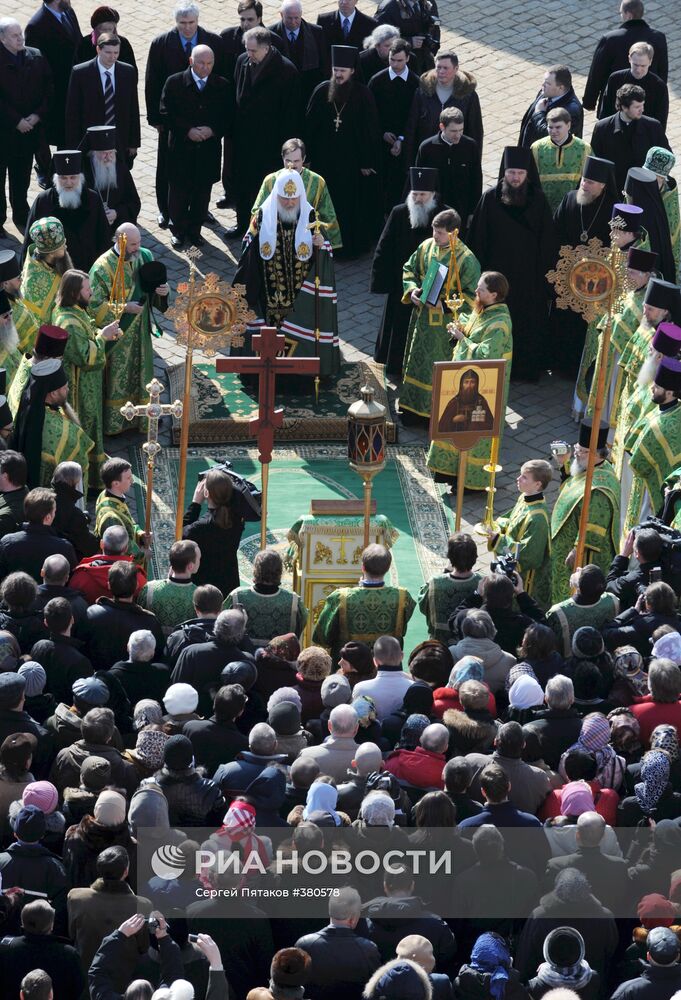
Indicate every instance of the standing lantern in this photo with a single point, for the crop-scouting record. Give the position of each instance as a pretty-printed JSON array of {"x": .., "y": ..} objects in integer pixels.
[{"x": 366, "y": 445}]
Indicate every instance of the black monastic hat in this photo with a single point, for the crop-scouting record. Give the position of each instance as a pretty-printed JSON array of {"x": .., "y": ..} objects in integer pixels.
[
  {"x": 100, "y": 137},
  {"x": 585, "y": 433},
  {"x": 152, "y": 274},
  {"x": 641, "y": 260},
  {"x": 67, "y": 161},
  {"x": 344, "y": 56},
  {"x": 424, "y": 179},
  {"x": 516, "y": 158},
  {"x": 662, "y": 295},
  {"x": 5, "y": 304},
  {"x": 9, "y": 265},
  {"x": 597, "y": 169},
  {"x": 638, "y": 177},
  {"x": 631, "y": 216},
  {"x": 668, "y": 375},
  {"x": 667, "y": 340}
]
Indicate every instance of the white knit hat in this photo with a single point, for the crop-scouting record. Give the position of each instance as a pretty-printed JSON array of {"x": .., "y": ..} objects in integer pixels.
[{"x": 181, "y": 699}]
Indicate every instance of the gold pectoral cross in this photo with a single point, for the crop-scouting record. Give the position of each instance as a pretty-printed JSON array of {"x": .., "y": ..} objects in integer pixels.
[{"x": 337, "y": 121}]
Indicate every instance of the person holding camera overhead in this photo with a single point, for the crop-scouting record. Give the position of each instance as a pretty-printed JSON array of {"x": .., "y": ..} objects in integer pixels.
[{"x": 217, "y": 532}]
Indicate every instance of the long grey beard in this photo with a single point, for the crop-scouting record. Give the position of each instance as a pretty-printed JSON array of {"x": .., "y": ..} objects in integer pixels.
[
  {"x": 9, "y": 338},
  {"x": 576, "y": 467},
  {"x": 68, "y": 199},
  {"x": 288, "y": 215},
  {"x": 648, "y": 370},
  {"x": 104, "y": 175},
  {"x": 585, "y": 197},
  {"x": 419, "y": 215}
]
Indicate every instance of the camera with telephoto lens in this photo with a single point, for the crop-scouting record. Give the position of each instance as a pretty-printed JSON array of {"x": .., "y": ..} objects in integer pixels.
[
  {"x": 246, "y": 497},
  {"x": 670, "y": 557},
  {"x": 507, "y": 565}
]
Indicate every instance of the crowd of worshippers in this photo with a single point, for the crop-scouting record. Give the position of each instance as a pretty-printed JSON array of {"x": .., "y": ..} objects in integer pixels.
[{"x": 192, "y": 702}]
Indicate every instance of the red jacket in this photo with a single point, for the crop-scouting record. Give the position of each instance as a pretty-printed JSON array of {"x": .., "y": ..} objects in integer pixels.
[
  {"x": 446, "y": 697},
  {"x": 421, "y": 768},
  {"x": 91, "y": 576},
  {"x": 654, "y": 713},
  {"x": 605, "y": 800}
]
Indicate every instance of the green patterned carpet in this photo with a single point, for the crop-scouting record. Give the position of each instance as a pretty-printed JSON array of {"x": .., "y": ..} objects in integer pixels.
[
  {"x": 221, "y": 407},
  {"x": 404, "y": 492}
]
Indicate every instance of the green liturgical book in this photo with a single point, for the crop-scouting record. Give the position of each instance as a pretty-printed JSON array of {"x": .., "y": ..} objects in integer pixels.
[{"x": 436, "y": 275}]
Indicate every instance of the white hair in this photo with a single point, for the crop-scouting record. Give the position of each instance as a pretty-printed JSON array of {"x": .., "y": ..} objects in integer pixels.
[
  {"x": 560, "y": 693},
  {"x": 230, "y": 626},
  {"x": 378, "y": 809},
  {"x": 379, "y": 35},
  {"x": 186, "y": 10},
  {"x": 343, "y": 720},
  {"x": 262, "y": 739},
  {"x": 290, "y": 4},
  {"x": 141, "y": 645},
  {"x": 8, "y": 22}
]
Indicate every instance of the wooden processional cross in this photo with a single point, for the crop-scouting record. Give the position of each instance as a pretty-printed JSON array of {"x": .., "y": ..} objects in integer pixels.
[{"x": 267, "y": 365}]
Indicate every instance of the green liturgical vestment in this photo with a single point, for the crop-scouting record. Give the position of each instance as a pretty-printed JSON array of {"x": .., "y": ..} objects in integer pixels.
[
  {"x": 439, "y": 597},
  {"x": 527, "y": 526},
  {"x": 428, "y": 338},
  {"x": 110, "y": 510},
  {"x": 655, "y": 455},
  {"x": 39, "y": 286},
  {"x": 567, "y": 616},
  {"x": 487, "y": 337},
  {"x": 63, "y": 441},
  {"x": 363, "y": 614},
  {"x": 269, "y": 615},
  {"x": 559, "y": 167},
  {"x": 602, "y": 530}
]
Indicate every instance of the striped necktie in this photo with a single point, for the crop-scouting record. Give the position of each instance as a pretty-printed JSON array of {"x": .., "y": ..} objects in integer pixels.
[{"x": 109, "y": 109}]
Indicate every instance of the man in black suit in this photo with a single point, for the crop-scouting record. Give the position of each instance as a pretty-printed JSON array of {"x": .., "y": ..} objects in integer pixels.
[
  {"x": 556, "y": 92},
  {"x": 169, "y": 54},
  {"x": 457, "y": 158},
  {"x": 626, "y": 136},
  {"x": 55, "y": 31},
  {"x": 197, "y": 107},
  {"x": 25, "y": 96},
  {"x": 613, "y": 49},
  {"x": 104, "y": 92},
  {"x": 346, "y": 26},
  {"x": 639, "y": 73},
  {"x": 302, "y": 43},
  {"x": 249, "y": 13},
  {"x": 393, "y": 89},
  {"x": 268, "y": 112}
]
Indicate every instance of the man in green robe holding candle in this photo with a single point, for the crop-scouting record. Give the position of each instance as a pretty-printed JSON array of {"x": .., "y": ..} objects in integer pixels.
[
  {"x": 483, "y": 335},
  {"x": 603, "y": 525},
  {"x": 428, "y": 339}
]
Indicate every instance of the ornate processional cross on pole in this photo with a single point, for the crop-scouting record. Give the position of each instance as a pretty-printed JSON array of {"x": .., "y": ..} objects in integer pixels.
[
  {"x": 267, "y": 365},
  {"x": 153, "y": 410}
]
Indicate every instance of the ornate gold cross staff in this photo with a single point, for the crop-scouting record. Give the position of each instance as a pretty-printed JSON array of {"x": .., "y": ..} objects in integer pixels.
[
  {"x": 315, "y": 227},
  {"x": 153, "y": 410}
]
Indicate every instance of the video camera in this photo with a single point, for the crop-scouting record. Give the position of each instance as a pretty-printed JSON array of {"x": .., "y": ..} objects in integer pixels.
[
  {"x": 670, "y": 557},
  {"x": 506, "y": 564},
  {"x": 246, "y": 498}
]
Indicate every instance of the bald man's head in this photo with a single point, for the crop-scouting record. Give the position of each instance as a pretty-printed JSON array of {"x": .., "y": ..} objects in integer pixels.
[
  {"x": 202, "y": 61},
  {"x": 133, "y": 240}
]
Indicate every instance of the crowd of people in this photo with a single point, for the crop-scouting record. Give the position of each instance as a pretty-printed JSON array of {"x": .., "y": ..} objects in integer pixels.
[{"x": 535, "y": 733}]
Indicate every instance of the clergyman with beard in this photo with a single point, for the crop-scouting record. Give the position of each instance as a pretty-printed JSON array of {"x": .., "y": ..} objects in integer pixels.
[
  {"x": 603, "y": 527},
  {"x": 130, "y": 358},
  {"x": 468, "y": 410},
  {"x": 24, "y": 320},
  {"x": 407, "y": 226},
  {"x": 10, "y": 357},
  {"x": 46, "y": 260},
  {"x": 46, "y": 429},
  {"x": 512, "y": 232},
  {"x": 583, "y": 214},
  {"x": 79, "y": 209},
  {"x": 343, "y": 139},
  {"x": 653, "y": 340},
  {"x": 281, "y": 257},
  {"x": 108, "y": 174}
]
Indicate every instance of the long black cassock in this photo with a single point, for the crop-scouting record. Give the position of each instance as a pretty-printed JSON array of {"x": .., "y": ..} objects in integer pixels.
[
  {"x": 340, "y": 154},
  {"x": 519, "y": 242},
  {"x": 395, "y": 246},
  {"x": 571, "y": 221}
]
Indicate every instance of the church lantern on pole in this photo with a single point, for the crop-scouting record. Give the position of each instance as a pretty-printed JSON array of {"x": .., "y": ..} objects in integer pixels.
[{"x": 366, "y": 444}]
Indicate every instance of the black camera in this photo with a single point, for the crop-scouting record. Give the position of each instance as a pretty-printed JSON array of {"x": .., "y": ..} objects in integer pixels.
[
  {"x": 670, "y": 557},
  {"x": 246, "y": 498},
  {"x": 152, "y": 924},
  {"x": 506, "y": 564}
]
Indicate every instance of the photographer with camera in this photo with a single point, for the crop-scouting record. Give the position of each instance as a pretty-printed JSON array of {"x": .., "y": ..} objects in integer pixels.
[
  {"x": 634, "y": 627},
  {"x": 627, "y": 584},
  {"x": 217, "y": 532},
  {"x": 495, "y": 595}
]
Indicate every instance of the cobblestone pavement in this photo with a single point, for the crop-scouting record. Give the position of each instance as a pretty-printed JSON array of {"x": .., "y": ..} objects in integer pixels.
[{"x": 507, "y": 46}]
